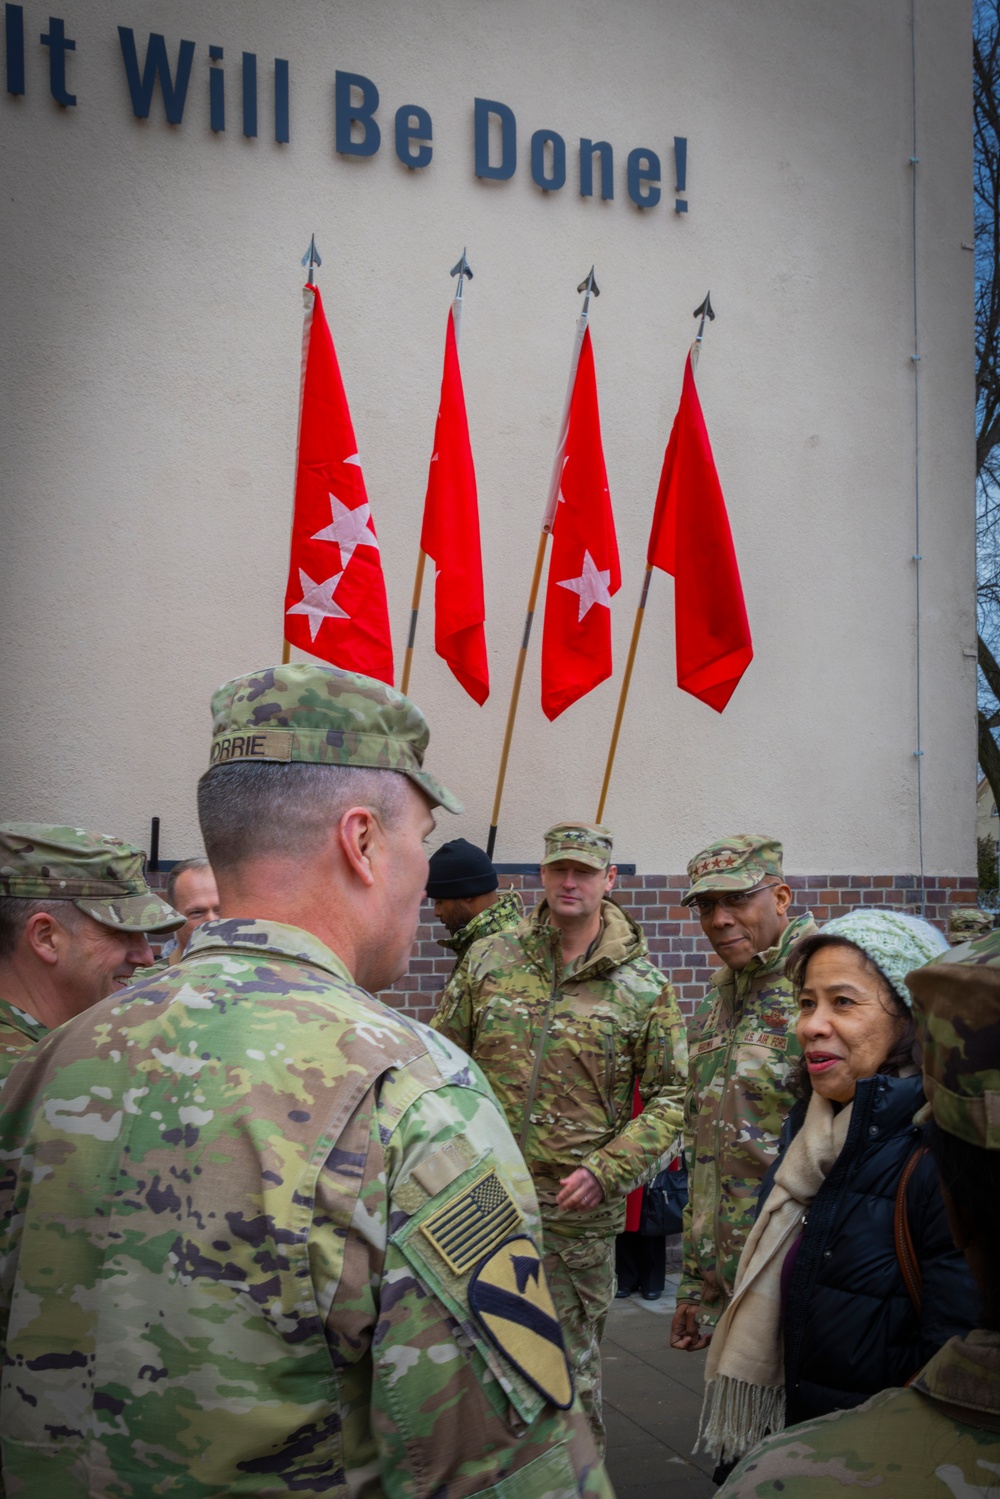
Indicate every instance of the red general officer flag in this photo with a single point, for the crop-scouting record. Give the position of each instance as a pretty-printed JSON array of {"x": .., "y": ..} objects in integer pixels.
[
  {"x": 583, "y": 570},
  {"x": 691, "y": 539},
  {"x": 335, "y": 604},
  {"x": 450, "y": 536}
]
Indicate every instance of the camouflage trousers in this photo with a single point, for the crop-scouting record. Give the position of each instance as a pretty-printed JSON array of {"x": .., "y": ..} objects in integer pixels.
[{"x": 581, "y": 1276}]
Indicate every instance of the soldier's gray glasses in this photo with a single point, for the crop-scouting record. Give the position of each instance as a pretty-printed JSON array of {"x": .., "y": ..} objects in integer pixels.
[{"x": 705, "y": 905}]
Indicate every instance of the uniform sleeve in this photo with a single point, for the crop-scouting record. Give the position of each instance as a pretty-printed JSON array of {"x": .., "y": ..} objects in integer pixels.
[
  {"x": 450, "y": 1413},
  {"x": 690, "y": 1285},
  {"x": 660, "y": 1065},
  {"x": 455, "y": 1013}
]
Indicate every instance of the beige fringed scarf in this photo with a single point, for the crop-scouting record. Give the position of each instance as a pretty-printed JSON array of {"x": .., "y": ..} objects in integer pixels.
[{"x": 745, "y": 1374}]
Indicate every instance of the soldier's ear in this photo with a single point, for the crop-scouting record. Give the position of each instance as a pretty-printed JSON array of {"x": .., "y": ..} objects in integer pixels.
[
  {"x": 355, "y": 833},
  {"x": 782, "y": 897},
  {"x": 44, "y": 937},
  {"x": 612, "y": 875}
]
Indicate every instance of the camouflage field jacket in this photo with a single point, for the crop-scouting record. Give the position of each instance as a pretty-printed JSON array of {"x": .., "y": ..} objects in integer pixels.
[
  {"x": 563, "y": 1048},
  {"x": 19, "y": 1032},
  {"x": 247, "y": 1265},
  {"x": 742, "y": 1047},
  {"x": 502, "y": 916}
]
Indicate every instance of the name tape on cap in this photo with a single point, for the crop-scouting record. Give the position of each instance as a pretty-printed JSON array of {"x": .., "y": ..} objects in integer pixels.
[{"x": 268, "y": 744}]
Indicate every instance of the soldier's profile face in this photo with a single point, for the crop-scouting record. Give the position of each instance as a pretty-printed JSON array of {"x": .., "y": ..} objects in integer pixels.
[
  {"x": 454, "y": 913},
  {"x": 575, "y": 891},
  {"x": 739, "y": 931},
  {"x": 402, "y": 875},
  {"x": 98, "y": 961}
]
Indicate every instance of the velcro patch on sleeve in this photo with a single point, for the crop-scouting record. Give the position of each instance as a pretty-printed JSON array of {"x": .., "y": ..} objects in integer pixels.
[
  {"x": 510, "y": 1299},
  {"x": 473, "y": 1223}
]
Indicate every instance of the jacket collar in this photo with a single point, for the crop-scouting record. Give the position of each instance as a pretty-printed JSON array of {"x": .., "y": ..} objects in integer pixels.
[
  {"x": 257, "y": 937},
  {"x": 965, "y": 1373},
  {"x": 20, "y": 1020},
  {"x": 620, "y": 940},
  {"x": 504, "y": 914}
]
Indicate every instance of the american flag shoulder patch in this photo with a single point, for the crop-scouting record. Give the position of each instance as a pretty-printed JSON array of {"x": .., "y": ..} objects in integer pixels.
[{"x": 472, "y": 1224}]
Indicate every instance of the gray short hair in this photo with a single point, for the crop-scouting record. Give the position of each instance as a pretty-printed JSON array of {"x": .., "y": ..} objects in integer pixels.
[
  {"x": 16, "y": 911},
  {"x": 250, "y": 811},
  {"x": 181, "y": 867}
]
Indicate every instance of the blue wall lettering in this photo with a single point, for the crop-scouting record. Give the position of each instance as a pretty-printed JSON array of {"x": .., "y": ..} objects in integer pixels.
[
  {"x": 250, "y": 94},
  {"x": 588, "y": 150},
  {"x": 643, "y": 172},
  {"x": 13, "y": 20},
  {"x": 681, "y": 165},
  {"x": 539, "y": 141},
  {"x": 174, "y": 90},
  {"x": 216, "y": 92},
  {"x": 281, "y": 100},
  {"x": 508, "y": 140},
  {"x": 347, "y": 114},
  {"x": 413, "y": 124},
  {"x": 58, "y": 44}
]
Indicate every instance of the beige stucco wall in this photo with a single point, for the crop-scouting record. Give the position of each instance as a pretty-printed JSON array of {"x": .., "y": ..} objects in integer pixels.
[{"x": 151, "y": 328}]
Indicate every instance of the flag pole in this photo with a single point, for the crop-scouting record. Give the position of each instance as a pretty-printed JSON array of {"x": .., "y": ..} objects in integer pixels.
[
  {"x": 704, "y": 311},
  {"x": 590, "y": 287},
  {"x": 461, "y": 269},
  {"x": 312, "y": 258}
]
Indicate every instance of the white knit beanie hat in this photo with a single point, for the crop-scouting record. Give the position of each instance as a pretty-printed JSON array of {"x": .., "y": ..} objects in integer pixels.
[{"x": 895, "y": 942}]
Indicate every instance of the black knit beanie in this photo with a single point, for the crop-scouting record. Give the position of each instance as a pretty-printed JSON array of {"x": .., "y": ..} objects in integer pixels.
[{"x": 460, "y": 869}]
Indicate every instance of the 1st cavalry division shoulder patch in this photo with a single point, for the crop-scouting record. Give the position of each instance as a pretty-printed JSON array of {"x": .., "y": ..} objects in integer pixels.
[
  {"x": 473, "y": 1223},
  {"x": 510, "y": 1299}
]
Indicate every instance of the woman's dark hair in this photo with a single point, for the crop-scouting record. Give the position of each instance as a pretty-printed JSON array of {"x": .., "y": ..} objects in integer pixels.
[
  {"x": 972, "y": 1176},
  {"x": 905, "y": 1053}
]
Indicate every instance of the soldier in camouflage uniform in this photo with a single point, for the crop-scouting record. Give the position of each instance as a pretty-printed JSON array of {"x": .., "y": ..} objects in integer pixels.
[
  {"x": 463, "y": 885},
  {"x": 968, "y": 921},
  {"x": 283, "y": 1241},
  {"x": 74, "y": 912},
  {"x": 940, "y": 1437},
  {"x": 741, "y": 1046},
  {"x": 564, "y": 1015}
]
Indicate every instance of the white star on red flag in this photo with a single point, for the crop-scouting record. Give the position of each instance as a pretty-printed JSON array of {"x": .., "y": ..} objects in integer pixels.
[
  {"x": 350, "y": 529},
  {"x": 591, "y": 585},
  {"x": 317, "y": 601}
]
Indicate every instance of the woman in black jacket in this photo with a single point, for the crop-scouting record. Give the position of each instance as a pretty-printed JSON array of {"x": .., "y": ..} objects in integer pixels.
[{"x": 822, "y": 1315}]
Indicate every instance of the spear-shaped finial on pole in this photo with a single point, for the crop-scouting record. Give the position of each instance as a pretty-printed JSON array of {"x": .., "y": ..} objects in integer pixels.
[
  {"x": 461, "y": 269},
  {"x": 312, "y": 258},
  {"x": 589, "y": 284},
  {"x": 704, "y": 311}
]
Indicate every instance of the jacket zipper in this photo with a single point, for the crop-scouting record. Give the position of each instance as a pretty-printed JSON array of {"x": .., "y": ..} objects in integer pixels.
[{"x": 543, "y": 1037}]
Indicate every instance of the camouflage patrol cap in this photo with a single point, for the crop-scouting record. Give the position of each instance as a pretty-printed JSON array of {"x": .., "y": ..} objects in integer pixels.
[
  {"x": 736, "y": 863},
  {"x": 585, "y": 842},
  {"x": 956, "y": 1005},
  {"x": 968, "y": 921},
  {"x": 321, "y": 715},
  {"x": 102, "y": 876}
]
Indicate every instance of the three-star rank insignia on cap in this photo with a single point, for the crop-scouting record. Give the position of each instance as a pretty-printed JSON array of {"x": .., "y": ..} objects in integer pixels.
[{"x": 510, "y": 1299}]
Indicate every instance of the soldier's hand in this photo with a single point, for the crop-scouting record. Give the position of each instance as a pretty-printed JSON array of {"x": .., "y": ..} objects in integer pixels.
[
  {"x": 684, "y": 1330},
  {"x": 579, "y": 1192}
]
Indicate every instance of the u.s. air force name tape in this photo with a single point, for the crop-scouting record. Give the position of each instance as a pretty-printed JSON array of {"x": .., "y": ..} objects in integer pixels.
[
  {"x": 510, "y": 1299},
  {"x": 473, "y": 1223}
]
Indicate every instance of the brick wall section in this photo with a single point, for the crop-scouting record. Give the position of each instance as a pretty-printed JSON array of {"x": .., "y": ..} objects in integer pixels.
[
  {"x": 675, "y": 938},
  {"x": 674, "y": 935}
]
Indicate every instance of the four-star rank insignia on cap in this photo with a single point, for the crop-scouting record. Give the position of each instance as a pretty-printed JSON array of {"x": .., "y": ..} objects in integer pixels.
[{"x": 510, "y": 1299}]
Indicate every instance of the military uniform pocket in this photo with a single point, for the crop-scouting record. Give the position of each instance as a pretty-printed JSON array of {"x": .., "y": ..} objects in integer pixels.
[{"x": 551, "y": 1474}]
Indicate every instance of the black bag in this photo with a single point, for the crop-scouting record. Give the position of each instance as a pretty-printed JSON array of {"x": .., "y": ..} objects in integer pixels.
[{"x": 663, "y": 1204}]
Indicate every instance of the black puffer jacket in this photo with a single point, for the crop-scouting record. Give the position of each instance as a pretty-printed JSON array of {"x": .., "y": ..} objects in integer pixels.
[{"x": 850, "y": 1328}]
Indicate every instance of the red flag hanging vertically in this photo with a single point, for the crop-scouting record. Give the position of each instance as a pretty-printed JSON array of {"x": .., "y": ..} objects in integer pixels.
[
  {"x": 450, "y": 535},
  {"x": 583, "y": 568},
  {"x": 691, "y": 539},
  {"x": 335, "y": 605}
]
